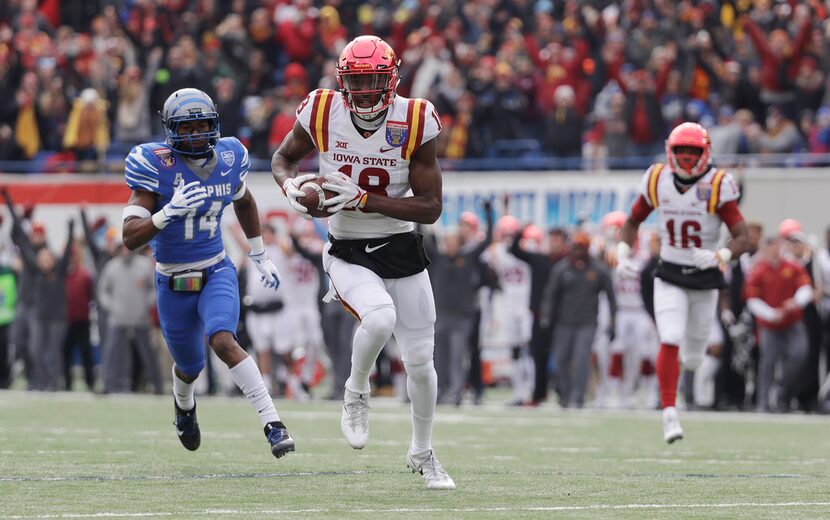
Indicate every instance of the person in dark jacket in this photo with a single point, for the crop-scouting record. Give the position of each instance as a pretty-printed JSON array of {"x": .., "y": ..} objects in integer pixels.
[
  {"x": 570, "y": 304},
  {"x": 540, "y": 265},
  {"x": 48, "y": 321},
  {"x": 454, "y": 273}
]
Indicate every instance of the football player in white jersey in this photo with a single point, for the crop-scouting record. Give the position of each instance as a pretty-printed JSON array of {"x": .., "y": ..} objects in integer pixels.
[
  {"x": 692, "y": 198},
  {"x": 378, "y": 153},
  {"x": 511, "y": 309},
  {"x": 635, "y": 338}
]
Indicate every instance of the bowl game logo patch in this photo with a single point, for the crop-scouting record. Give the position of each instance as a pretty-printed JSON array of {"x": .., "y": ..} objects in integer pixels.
[
  {"x": 165, "y": 157},
  {"x": 704, "y": 190},
  {"x": 396, "y": 132}
]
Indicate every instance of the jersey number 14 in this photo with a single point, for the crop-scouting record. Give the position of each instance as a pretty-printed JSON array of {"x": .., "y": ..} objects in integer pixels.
[{"x": 207, "y": 222}]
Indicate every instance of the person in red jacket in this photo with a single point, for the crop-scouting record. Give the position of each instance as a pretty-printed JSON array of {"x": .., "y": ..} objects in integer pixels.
[{"x": 776, "y": 292}]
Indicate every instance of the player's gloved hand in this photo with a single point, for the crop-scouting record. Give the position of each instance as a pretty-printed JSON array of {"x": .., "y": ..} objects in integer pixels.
[
  {"x": 291, "y": 188},
  {"x": 270, "y": 274},
  {"x": 349, "y": 194},
  {"x": 706, "y": 259},
  {"x": 187, "y": 197},
  {"x": 626, "y": 266}
]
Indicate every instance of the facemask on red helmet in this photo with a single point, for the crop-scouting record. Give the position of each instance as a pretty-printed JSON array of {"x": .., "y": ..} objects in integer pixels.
[
  {"x": 689, "y": 151},
  {"x": 367, "y": 73}
]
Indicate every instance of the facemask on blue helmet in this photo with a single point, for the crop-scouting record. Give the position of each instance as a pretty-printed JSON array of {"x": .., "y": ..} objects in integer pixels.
[{"x": 190, "y": 105}]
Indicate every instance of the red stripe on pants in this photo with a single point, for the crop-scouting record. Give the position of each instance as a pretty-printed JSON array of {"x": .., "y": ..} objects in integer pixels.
[{"x": 668, "y": 371}]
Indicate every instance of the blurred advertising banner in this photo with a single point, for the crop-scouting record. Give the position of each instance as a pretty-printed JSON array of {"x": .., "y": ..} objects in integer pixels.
[{"x": 545, "y": 198}]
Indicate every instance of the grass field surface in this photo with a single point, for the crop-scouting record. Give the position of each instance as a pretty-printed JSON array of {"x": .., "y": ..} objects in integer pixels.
[{"x": 75, "y": 455}]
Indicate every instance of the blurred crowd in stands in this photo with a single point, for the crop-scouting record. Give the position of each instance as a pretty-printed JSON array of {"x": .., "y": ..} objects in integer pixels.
[{"x": 597, "y": 80}]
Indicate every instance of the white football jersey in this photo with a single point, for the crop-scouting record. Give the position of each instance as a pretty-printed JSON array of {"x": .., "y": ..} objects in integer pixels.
[
  {"x": 305, "y": 282},
  {"x": 514, "y": 275},
  {"x": 378, "y": 163},
  {"x": 688, "y": 220}
]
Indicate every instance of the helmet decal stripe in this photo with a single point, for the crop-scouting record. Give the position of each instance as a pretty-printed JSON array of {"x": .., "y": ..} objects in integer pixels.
[
  {"x": 714, "y": 197},
  {"x": 652, "y": 184}
]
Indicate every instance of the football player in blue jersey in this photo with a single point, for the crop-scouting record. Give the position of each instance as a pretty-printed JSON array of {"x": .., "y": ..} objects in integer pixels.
[{"x": 179, "y": 189}]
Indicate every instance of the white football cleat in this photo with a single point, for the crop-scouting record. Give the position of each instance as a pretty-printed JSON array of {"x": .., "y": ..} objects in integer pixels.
[
  {"x": 354, "y": 421},
  {"x": 671, "y": 425},
  {"x": 433, "y": 472}
]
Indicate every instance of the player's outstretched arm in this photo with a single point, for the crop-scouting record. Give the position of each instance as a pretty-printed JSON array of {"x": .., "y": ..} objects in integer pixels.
[{"x": 425, "y": 204}]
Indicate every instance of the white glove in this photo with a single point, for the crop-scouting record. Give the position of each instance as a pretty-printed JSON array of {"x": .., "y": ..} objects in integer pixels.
[
  {"x": 349, "y": 194},
  {"x": 270, "y": 274},
  {"x": 706, "y": 259},
  {"x": 186, "y": 198},
  {"x": 291, "y": 188},
  {"x": 626, "y": 266}
]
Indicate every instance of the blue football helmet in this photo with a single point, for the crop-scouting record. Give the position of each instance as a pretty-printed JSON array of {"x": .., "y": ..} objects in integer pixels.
[{"x": 185, "y": 105}]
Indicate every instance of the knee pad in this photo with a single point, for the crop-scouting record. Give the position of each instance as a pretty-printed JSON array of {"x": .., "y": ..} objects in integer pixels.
[
  {"x": 379, "y": 323},
  {"x": 421, "y": 372},
  {"x": 416, "y": 351}
]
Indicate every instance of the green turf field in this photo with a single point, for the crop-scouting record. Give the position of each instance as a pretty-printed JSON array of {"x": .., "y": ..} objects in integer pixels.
[{"x": 81, "y": 456}]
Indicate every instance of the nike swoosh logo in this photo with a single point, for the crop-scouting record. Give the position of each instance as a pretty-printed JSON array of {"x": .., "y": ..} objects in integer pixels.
[
  {"x": 223, "y": 174},
  {"x": 179, "y": 432},
  {"x": 384, "y": 149},
  {"x": 371, "y": 249},
  {"x": 688, "y": 270}
]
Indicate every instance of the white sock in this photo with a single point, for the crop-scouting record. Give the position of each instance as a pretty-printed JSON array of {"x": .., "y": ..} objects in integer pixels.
[
  {"x": 183, "y": 393},
  {"x": 374, "y": 331},
  {"x": 247, "y": 377},
  {"x": 422, "y": 387}
]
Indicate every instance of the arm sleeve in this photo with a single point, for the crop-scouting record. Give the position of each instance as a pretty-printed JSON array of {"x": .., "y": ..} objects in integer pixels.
[
  {"x": 641, "y": 209},
  {"x": 516, "y": 249},
  {"x": 803, "y": 295},
  {"x": 547, "y": 306},
  {"x": 141, "y": 171},
  {"x": 90, "y": 240},
  {"x": 730, "y": 214},
  {"x": 488, "y": 236},
  {"x": 760, "y": 309},
  {"x": 432, "y": 123},
  {"x": 304, "y": 110}
]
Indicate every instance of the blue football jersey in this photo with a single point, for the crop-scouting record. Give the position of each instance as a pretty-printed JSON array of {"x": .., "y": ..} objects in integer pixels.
[{"x": 156, "y": 168}]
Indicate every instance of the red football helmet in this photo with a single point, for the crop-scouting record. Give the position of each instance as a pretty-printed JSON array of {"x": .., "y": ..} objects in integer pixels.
[
  {"x": 367, "y": 73},
  {"x": 684, "y": 162}
]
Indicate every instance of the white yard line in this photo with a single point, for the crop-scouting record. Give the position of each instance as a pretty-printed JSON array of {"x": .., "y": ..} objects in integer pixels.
[{"x": 590, "y": 507}]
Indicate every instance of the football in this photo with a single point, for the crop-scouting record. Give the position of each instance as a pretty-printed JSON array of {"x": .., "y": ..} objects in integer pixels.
[{"x": 314, "y": 197}]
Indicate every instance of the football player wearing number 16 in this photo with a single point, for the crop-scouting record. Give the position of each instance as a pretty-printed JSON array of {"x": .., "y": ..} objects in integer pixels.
[
  {"x": 179, "y": 190},
  {"x": 692, "y": 199},
  {"x": 378, "y": 153}
]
